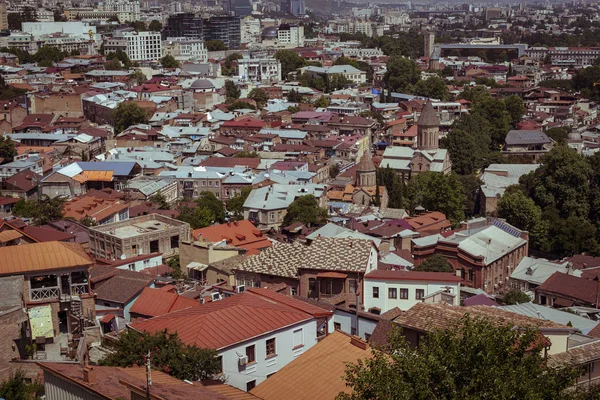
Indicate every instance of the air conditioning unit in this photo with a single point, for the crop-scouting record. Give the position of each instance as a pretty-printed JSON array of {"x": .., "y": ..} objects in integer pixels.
[
  {"x": 215, "y": 296},
  {"x": 243, "y": 360},
  {"x": 240, "y": 289}
]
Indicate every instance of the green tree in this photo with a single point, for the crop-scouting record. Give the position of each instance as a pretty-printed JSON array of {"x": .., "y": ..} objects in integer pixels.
[
  {"x": 229, "y": 67},
  {"x": 160, "y": 200},
  {"x": 401, "y": 74},
  {"x": 139, "y": 26},
  {"x": 88, "y": 221},
  {"x": 334, "y": 170},
  {"x": 247, "y": 154},
  {"x": 522, "y": 212},
  {"x": 562, "y": 181},
  {"x": 167, "y": 353},
  {"x": 236, "y": 204},
  {"x": 559, "y": 134},
  {"x": 240, "y": 105},
  {"x": 47, "y": 55},
  {"x": 113, "y": 65},
  {"x": 121, "y": 56},
  {"x": 434, "y": 87},
  {"x": 259, "y": 96},
  {"x": 232, "y": 91},
  {"x": 493, "y": 362},
  {"x": 41, "y": 211},
  {"x": 8, "y": 151},
  {"x": 293, "y": 96},
  {"x": 305, "y": 209},
  {"x": 169, "y": 61},
  {"x": 155, "y": 26},
  {"x": 515, "y": 296},
  {"x": 495, "y": 112},
  {"x": 438, "y": 192},
  {"x": 435, "y": 263},
  {"x": 138, "y": 76},
  {"x": 321, "y": 102},
  {"x": 215, "y": 45},
  {"x": 208, "y": 201},
  {"x": 175, "y": 266},
  {"x": 128, "y": 114},
  {"x": 19, "y": 387},
  {"x": 290, "y": 61},
  {"x": 196, "y": 216},
  {"x": 515, "y": 107},
  {"x": 395, "y": 186}
]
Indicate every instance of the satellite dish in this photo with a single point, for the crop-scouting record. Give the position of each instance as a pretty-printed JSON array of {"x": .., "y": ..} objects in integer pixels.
[{"x": 123, "y": 256}]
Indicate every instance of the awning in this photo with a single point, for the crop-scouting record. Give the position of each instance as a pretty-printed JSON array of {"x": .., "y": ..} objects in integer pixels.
[
  {"x": 107, "y": 318},
  {"x": 196, "y": 266},
  {"x": 40, "y": 320},
  {"x": 563, "y": 302},
  {"x": 9, "y": 235},
  {"x": 336, "y": 275}
]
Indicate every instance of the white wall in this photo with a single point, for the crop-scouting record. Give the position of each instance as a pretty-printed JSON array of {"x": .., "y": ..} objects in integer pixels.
[
  {"x": 238, "y": 376},
  {"x": 385, "y": 303},
  {"x": 142, "y": 264},
  {"x": 347, "y": 322}
]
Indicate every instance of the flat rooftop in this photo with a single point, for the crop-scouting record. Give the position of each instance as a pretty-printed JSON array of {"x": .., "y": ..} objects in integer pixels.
[{"x": 141, "y": 228}]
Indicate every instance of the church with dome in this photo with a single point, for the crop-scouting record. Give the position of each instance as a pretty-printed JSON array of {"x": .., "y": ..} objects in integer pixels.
[
  {"x": 427, "y": 155},
  {"x": 363, "y": 190}
]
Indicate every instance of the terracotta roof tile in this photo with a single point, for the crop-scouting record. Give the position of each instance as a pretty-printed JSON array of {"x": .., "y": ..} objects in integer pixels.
[
  {"x": 241, "y": 234},
  {"x": 428, "y": 317},
  {"x": 317, "y": 374},
  {"x": 154, "y": 302},
  {"x": 577, "y": 355},
  {"x": 222, "y": 323}
]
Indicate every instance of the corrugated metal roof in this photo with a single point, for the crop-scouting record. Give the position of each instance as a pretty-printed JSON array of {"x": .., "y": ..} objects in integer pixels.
[
  {"x": 42, "y": 257},
  {"x": 220, "y": 324}
]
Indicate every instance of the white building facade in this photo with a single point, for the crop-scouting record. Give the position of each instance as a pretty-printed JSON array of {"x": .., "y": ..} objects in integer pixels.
[
  {"x": 259, "y": 69},
  {"x": 385, "y": 290},
  {"x": 139, "y": 46},
  {"x": 291, "y": 34},
  {"x": 270, "y": 352}
]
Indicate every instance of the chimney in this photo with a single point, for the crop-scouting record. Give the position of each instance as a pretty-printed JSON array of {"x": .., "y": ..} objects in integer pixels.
[
  {"x": 89, "y": 375},
  {"x": 358, "y": 342}
]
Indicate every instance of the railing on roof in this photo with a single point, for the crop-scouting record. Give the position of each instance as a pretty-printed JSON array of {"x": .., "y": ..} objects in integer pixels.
[{"x": 48, "y": 293}]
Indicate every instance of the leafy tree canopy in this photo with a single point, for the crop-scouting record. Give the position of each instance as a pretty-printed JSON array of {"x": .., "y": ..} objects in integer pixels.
[
  {"x": 128, "y": 114},
  {"x": 472, "y": 359},
  {"x": 440, "y": 192},
  {"x": 435, "y": 263},
  {"x": 515, "y": 296},
  {"x": 7, "y": 148},
  {"x": 401, "y": 74},
  {"x": 305, "y": 209},
  {"x": 19, "y": 387},
  {"x": 167, "y": 353},
  {"x": 215, "y": 45},
  {"x": 236, "y": 203},
  {"x": 155, "y": 26},
  {"x": 40, "y": 211},
  {"x": 169, "y": 61},
  {"x": 259, "y": 96},
  {"x": 232, "y": 91}
]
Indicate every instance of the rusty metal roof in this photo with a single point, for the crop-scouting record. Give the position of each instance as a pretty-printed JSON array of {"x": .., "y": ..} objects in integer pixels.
[{"x": 44, "y": 256}]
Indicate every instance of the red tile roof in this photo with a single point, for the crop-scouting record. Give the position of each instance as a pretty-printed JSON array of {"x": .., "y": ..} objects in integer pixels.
[
  {"x": 413, "y": 276},
  {"x": 222, "y": 323},
  {"x": 244, "y": 123},
  {"x": 230, "y": 162},
  {"x": 241, "y": 234},
  {"x": 155, "y": 302},
  {"x": 570, "y": 286},
  {"x": 315, "y": 311},
  {"x": 24, "y": 180}
]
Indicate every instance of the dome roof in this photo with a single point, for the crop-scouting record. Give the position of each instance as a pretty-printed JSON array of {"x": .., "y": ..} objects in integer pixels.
[
  {"x": 574, "y": 136},
  {"x": 269, "y": 32},
  {"x": 202, "y": 84}
]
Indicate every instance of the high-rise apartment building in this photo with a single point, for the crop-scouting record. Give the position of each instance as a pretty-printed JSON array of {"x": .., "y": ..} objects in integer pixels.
[
  {"x": 187, "y": 25},
  {"x": 139, "y": 46}
]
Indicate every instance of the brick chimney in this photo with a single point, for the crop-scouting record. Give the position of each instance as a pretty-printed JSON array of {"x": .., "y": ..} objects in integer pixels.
[
  {"x": 89, "y": 375},
  {"x": 358, "y": 342}
]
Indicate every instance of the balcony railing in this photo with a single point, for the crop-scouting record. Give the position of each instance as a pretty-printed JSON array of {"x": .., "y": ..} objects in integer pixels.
[
  {"x": 77, "y": 289},
  {"x": 48, "y": 293}
]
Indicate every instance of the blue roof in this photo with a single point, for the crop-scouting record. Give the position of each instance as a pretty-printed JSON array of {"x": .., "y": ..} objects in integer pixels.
[{"x": 118, "y": 168}]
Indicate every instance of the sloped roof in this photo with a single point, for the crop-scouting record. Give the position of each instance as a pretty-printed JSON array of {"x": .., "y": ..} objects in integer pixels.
[
  {"x": 121, "y": 288},
  {"x": 42, "y": 257},
  {"x": 428, "y": 317},
  {"x": 413, "y": 276},
  {"x": 366, "y": 164},
  {"x": 571, "y": 286},
  {"x": 154, "y": 302},
  {"x": 428, "y": 117},
  {"x": 316, "y": 374},
  {"x": 222, "y": 323},
  {"x": 329, "y": 254},
  {"x": 241, "y": 234}
]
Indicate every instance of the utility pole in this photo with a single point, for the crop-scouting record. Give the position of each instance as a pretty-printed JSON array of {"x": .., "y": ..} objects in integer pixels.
[{"x": 148, "y": 375}]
